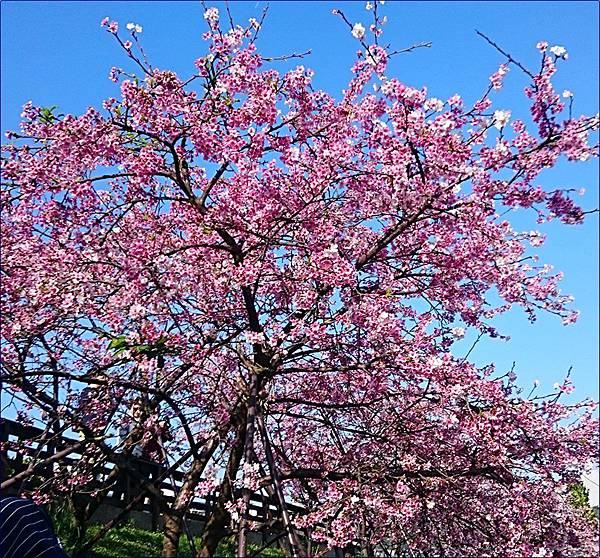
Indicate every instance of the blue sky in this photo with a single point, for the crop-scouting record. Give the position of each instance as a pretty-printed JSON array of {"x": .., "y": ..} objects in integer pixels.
[{"x": 55, "y": 53}]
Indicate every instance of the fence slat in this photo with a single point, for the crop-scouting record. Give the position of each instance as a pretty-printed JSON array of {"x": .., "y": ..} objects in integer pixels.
[{"x": 199, "y": 509}]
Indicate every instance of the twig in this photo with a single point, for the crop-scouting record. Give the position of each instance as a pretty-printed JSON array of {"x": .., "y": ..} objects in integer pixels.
[
  {"x": 508, "y": 56},
  {"x": 260, "y": 24},
  {"x": 351, "y": 27},
  {"x": 287, "y": 56},
  {"x": 427, "y": 44},
  {"x": 229, "y": 15}
]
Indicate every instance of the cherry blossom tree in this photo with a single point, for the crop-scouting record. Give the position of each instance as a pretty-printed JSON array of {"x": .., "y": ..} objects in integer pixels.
[{"x": 282, "y": 276}]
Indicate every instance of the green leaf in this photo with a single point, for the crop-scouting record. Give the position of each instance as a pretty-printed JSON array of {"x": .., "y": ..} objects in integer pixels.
[
  {"x": 118, "y": 344},
  {"x": 46, "y": 114}
]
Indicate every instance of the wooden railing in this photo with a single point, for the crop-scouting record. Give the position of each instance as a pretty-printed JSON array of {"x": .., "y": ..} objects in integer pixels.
[{"x": 37, "y": 446}]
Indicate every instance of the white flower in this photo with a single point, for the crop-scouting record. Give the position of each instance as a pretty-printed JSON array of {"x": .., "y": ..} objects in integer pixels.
[
  {"x": 355, "y": 499},
  {"x": 137, "y": 311},
  {"x": 212, "y": 14},
  {"x": 502, "y": 148},
  {"x": 458, "y": 332},
  {"x": 371, "y": 59},
  {"x": 567, "y": 94},
  {"x": 430, "y": 505},
  {"x": 435, "y": 362},
  {"x": 536, "y": 383},
  {"x": 434, "y": 104},
  {"x": 456, "y": 189},
  {"x": 501, "y": 118},
  {"x": 135, "y": 27},
  {"x": 369, "y": 6},
  {"x": 445, "y": 123},
  {"x": 559, "y": 51},
  {"x": 358, "y": 31},
  {"x": 536, "y": 239},
  {"x": 556, "y": 385}
]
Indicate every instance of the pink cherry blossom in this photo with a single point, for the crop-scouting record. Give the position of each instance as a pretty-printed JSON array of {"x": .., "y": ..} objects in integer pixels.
[{"x": 271, "y": 280}]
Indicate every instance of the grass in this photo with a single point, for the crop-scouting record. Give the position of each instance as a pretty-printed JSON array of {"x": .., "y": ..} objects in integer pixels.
[{"x": 129, "y": 540}]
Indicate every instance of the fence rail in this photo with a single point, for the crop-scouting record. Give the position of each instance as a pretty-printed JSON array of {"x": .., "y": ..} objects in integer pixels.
[{"x": 39, "y": 445}]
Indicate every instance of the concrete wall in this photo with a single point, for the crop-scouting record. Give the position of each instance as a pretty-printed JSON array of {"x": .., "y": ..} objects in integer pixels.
[{"x": 591, "y": 481}]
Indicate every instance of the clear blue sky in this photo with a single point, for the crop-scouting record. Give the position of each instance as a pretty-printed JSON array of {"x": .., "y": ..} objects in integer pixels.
[{"x": 54, "y": 53}]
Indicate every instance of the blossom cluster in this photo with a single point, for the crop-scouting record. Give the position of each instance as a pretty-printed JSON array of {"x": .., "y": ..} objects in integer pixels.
[{"x": 258, "y": 247}]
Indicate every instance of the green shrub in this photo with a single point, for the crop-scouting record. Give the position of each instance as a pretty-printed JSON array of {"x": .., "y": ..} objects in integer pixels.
[{"x": 580, "y": 499}]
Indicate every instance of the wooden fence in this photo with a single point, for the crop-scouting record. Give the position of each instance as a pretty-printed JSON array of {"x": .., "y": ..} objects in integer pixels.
[{"x": 262, "y": 509}]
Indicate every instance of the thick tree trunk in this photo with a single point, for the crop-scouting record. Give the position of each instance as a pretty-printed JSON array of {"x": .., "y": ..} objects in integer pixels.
[
  {"x": 215, "y": 528},
  {"x": 173, "y": 524},
  {"x": 173, "y": 517}
]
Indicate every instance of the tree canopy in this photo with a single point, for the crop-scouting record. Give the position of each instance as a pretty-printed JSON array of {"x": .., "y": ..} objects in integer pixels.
[{"x": 281, "y": 276}]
